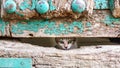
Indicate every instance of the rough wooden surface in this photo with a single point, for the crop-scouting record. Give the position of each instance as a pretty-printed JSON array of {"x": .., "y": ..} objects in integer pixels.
[
  {"x": 101, "y": 24},
  {"x": 101, "y": 56}
]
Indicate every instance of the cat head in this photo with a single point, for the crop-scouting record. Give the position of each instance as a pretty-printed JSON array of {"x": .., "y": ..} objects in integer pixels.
[{"x": 65, "y": 43}]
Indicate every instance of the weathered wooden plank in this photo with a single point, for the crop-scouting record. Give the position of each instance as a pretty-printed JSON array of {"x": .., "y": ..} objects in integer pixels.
[
  {"x": 28, "y": 9},
  {"x": 115, "y": 7},
  {"x": 15, "y": 63},
  {"x": 102, "y": 56},
  {"x": 101, "y": 24}
]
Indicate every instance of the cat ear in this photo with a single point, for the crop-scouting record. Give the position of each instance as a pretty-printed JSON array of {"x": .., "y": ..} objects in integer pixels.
[
  {"x": 74, "y": 38},
  {"x": 56, "y": 40}
]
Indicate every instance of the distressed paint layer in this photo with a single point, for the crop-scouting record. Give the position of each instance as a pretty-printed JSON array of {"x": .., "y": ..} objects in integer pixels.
[
  {"x": 2, "y": 26},
  {"x": 111, "y": 5},
  {"x": 15, "y": 63},
  {"x": 110, "y": 20},
  {"x": 50, "y": 27},
  {"x": 52, "y": 7},
  {"x": 25, "y": 5},
  {"x": 101, "y": 4}
]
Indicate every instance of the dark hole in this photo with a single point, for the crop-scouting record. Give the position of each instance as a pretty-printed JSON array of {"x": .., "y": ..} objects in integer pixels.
[{"x": 30, "y": 34}]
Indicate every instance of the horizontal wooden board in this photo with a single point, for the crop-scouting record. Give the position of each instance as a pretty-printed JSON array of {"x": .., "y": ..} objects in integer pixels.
[
  {"x": 101, "y": 24},
  {"x": 98, "y": 56}
]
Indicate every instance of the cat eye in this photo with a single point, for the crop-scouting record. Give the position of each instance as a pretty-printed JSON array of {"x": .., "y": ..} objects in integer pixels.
[
  {"x": 61, "y": 42},
  {"x": 69, "y": 41}
]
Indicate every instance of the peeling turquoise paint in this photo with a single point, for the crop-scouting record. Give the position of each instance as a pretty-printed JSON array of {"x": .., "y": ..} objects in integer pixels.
[
  {"x": 15, "y": 63},
  {"x": 52, "y": 7},
  {"x": 109, "y": 20},
  {"x": 24, "y": 5},
  {"x": 10, "y": 6},
  {"x": 33, "y": 4},
  {"x": 50, "y": 27},
  {"x": 88, "y": 24},
  {"x": 111, "y": 4},
  {"x": 101, "y": 4},
  {"x": 2, "y": 26}
]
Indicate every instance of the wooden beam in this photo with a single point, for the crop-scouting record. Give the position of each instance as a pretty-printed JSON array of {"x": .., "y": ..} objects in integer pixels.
[
  {"x": 24, "y": 10},
  {"x": 101, "y": 24},
  {"x": 103, "y": 56}
]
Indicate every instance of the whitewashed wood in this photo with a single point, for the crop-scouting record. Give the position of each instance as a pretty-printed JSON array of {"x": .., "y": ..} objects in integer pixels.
[{"x": 101, "y": 56}]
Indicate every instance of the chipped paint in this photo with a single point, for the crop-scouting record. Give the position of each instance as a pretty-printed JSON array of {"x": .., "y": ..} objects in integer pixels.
[
  {"x": 50, "y": 27},
  {"x": 2, "y": 26},
  {"x": 101, "y": 4},
  {"x": 111, "y": 4},
  {"x": 42, "y": 6},
  {"x": 24, "y": 5},
  {"x": 52, "y": 7},
  {"x": 110, "y": 20},
  {"x": 88, "y": 24}
]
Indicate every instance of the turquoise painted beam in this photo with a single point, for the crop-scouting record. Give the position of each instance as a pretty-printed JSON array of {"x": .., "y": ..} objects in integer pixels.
[
  {"x": 15, "y": 63},
  {"x": 49, "y": 26}
]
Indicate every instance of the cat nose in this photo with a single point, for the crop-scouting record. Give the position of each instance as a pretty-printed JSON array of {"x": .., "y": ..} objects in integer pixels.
[{"x": 65, "y": 47}]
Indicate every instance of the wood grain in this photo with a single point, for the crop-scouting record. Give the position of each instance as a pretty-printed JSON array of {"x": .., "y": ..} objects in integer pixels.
[{"x": 101, "y": 56}]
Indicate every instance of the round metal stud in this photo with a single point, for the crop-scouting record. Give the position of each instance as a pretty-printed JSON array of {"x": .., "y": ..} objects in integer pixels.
[
  {"x": 78, "y": 6},
  {"x": 42, "y": 6},
  {"x": 10, "y": 6}
]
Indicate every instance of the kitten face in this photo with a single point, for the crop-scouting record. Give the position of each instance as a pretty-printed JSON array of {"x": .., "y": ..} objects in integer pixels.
[{"x": 65, "y": 43}]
